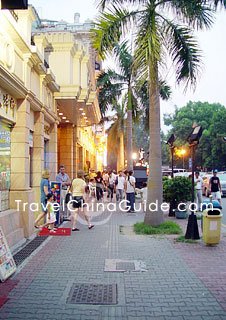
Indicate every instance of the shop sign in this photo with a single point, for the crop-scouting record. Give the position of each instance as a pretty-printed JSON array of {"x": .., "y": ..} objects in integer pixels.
[
  {"x": 7, "y": 263},
  {"x": 7, "y": 106}
]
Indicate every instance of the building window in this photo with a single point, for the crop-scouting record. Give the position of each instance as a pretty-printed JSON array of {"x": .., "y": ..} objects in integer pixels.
[
  {"x": 5, "y": 158},
  {"x": 46, "y": 154}
]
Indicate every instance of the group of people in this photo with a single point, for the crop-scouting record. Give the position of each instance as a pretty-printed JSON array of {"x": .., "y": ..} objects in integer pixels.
[
  {"x": 77, "y": 187},
  {"x": 121, "y": 184},
  {"x": 94, "y": 184}
]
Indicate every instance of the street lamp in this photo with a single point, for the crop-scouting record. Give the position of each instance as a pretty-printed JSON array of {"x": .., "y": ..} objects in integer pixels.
[
  {"x": 192, "y": 231},
  {"x": 170, "y": 142}
]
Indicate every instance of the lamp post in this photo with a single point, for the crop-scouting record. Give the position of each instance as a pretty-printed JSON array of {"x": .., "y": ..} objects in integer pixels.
[
  {"x": 192, "y": 231},
  {"x": 170, "y": 142}
]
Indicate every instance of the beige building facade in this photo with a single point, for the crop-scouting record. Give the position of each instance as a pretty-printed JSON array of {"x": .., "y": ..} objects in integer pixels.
[
  {"x": 28, "y": 123},
  {"x": 48, "y": 113},
  {"x": 69, "y": 53}
]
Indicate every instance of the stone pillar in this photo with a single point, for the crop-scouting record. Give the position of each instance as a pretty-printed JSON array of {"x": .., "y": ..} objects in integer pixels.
[
  {"x": 20, "y": 175},
  {"x": 53, "y": 152},
  {"x": 38, "y": 153},
  {"x": 75, "y": 152},
  {"x": 66, "y": 148}
]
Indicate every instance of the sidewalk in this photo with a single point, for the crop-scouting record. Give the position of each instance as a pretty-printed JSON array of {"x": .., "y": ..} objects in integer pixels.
[{"x": 182, "y": 281}]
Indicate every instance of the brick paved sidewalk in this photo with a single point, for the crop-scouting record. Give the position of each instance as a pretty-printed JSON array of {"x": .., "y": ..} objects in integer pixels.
[{"x": 171, "y": 289}]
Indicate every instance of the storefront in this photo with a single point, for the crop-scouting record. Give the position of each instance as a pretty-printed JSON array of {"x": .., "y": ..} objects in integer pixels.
[{"x": 7, "y": 120}]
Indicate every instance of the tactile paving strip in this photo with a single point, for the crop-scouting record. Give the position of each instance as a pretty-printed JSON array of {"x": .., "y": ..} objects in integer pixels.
[
  {"x": 102, "y": 294},
  {"x": 24, "y": 253}
]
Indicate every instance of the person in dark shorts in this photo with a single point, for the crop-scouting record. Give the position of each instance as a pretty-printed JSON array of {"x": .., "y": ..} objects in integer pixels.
[{"x": 215, "y": 187}]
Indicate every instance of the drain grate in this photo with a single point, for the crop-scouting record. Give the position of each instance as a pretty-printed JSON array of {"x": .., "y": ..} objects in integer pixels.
[
  {"x": 125, "y": 266},
  {"x": 21, "y": 255},
  {"x": 102, "y": 294}
]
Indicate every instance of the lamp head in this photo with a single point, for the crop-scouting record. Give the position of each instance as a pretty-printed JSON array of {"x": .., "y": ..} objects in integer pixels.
[{"x": 171, "y": 140}]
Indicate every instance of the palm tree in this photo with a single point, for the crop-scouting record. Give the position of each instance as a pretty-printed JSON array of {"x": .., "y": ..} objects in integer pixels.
[
  {"x": 156, "y": 34},
  {"x": 112, "y": 84}
]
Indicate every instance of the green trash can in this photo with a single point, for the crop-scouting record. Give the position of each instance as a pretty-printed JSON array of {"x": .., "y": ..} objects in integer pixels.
[{"x": 212, "y": 226}]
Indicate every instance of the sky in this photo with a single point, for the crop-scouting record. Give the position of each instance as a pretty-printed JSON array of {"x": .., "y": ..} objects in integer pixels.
[{"x": 211, "y": 86}]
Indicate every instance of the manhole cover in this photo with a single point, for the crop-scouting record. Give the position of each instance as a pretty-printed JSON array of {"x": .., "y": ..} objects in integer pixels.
[
  {"x": 21, "y": 255},
  {"x": 125, "y": 266},
  {"x": 119, "y": 265},
  {"x": 82, "y": 293}
]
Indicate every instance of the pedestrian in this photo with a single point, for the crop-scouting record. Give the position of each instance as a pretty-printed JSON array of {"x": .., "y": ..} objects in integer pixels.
[
  {"x": 111, "y": 184},
  {"x": 120, "y": 186},
  {"x": 215, "y": 187},
  {"x": 105, "y": 179},
  {"x": 130, "y": 190},
  {"x": 198, "y": 188},
  {"x": 92, "y": 188},
  {"x": 65, "y": 181},
  {"x": 99, "y": 186},
  {"x": 44, "y": 190},
  {"x": 78, "y": 188},
  {"x": 50, "y": 214}
]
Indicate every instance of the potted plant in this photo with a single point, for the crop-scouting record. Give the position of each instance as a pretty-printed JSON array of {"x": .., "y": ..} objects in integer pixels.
[{"x": 177, "y": 191}]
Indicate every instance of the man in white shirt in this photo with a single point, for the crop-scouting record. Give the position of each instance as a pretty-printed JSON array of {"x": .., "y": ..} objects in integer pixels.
[
  {"x": 119, "y": 183},
  {"x": 198, "y": 188},
  {"x": 130, "y": 190}
]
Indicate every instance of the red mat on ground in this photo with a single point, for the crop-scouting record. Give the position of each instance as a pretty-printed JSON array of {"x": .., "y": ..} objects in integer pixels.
[
  {"x": 3, "y": 300},
  {"x": 58, "y": 232}
]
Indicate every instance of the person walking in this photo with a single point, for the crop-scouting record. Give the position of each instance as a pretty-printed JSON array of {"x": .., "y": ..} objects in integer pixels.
[
  {"x": 111, "y": 184},
  {"x": 78, "y": 189},
  {"x": 99, "y": 186},
  {"x": 130, "y": 190},
  {"x": 215, "y": 187},
  {"x": 50, "y": 215},
  {"x": 120, "y": 186},
  {"x": 44, "y": 190},
  {"x": 198, "y": 188},
  {"x": 65, "y": 181}
]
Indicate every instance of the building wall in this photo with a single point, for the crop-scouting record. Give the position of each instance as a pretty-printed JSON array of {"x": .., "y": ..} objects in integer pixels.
[{"x": 28, "y": 111}]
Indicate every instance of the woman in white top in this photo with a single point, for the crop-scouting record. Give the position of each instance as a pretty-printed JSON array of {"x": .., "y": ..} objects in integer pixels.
[{"x": 130, "y": 191}]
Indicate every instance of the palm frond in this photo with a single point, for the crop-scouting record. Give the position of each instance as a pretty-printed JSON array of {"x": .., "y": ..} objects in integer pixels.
[
  {"x": 197, "y": 13},
  {"x": 124, "y": 59},
  {"x": 183, "y": 49},
  {"x": 219, "y": 3},
  {"x": 103, "y": 3},
  {"x": 109, "y": 77},
  {"x": 147, "y": 45},
  {"x": 109, "y": 28},
  {"x": 164, "y": 90}
]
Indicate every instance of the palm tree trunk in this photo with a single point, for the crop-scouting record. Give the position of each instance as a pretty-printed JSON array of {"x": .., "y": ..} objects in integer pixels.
[
  {"x": 155, "y": 158},
  {"x": 121, "y": 162},
  {"x": 129, "y": 140},
  {"x": 129, "y": 132}
]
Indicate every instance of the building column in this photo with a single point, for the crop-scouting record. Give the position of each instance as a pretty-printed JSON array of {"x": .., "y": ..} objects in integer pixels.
[
  {"x": 20, "y": 176},
  {"x": 75, "y": 152},
  {"x": 65, "y": 142},
  {"x": 38, "y": 153},
  {"x": 53, "y": 165}
]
